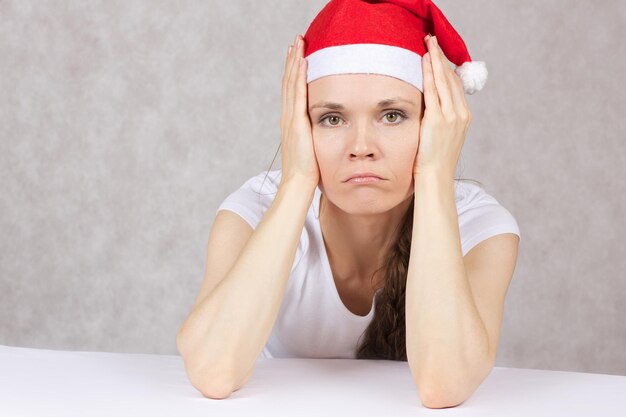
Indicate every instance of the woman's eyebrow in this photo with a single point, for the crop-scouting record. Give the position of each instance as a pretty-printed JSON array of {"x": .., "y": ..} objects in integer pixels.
[{"x": 338, "y": 106}]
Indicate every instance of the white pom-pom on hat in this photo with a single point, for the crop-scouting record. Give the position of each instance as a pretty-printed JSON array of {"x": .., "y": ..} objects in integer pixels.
[{"x": 473, "y": 75}]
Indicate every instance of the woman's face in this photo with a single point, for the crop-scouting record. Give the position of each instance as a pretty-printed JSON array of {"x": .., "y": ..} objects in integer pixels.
[{"x": 364, "y": 136}]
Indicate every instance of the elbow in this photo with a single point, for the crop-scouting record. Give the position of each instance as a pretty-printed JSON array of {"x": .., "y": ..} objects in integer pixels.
[
  {"x": 438, "y": 393},
  {"x": 206, "y": 378},
  {"x": 433, "y": 395},
  {"x": 219, "y": 388},
  {"x": 449, "y": 390},
  {"x": 214, "y": 392},
  {"x": 430, "y": 400},
  {"x": 438, "y": 404},
  {"x": 213, "y": 387}
]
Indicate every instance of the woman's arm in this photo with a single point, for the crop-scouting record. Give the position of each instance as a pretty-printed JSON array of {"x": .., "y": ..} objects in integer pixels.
[
  {"x": 223, "y": 336},
  {"x": 447, "y": 344},
  {"x": 446, "y": 339}
]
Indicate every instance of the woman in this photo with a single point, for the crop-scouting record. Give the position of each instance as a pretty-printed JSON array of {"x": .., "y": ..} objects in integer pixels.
[{"x": 359, "y": 247}]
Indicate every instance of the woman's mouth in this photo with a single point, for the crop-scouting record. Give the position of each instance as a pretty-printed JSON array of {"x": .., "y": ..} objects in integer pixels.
[{"x": 364, "y": 180}]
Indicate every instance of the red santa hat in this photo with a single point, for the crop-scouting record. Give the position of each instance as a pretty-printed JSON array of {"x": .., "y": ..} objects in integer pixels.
[{"x": 385, "y": 37}]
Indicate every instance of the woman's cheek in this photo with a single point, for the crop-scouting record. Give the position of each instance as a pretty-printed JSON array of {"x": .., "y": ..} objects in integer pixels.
[
  {"x": 324, "y": 161},
  {"x": 323, "y": 153}
]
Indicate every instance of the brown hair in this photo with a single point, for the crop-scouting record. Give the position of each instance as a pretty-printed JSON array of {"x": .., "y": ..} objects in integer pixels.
[{"x": 385, "y": 337}]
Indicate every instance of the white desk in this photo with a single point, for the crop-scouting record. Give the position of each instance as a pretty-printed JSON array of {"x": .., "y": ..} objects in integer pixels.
[{"x": 38, "y": 382}]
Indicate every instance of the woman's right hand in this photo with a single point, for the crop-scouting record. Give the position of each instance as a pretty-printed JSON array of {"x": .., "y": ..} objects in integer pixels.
[{"x": 298, "y": 155}]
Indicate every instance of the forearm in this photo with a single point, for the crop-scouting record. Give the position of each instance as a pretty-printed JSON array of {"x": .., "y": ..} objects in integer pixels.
[
  {"x": 447, "y": 344},
  {"x": 226, "y": 332}
]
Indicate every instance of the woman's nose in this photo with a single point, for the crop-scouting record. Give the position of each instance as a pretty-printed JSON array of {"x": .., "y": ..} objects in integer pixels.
[{"x": 362, "y": 143}]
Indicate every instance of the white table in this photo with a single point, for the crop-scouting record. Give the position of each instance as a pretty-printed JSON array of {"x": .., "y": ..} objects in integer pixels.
[{"x": 40, "y": 382}]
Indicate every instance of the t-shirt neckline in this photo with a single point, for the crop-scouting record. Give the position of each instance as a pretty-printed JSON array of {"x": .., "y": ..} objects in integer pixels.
[{"x": 328, "y": 274}]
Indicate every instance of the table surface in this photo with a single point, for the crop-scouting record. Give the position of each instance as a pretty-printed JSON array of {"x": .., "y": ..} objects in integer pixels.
[{"x": 37, "y": 382}]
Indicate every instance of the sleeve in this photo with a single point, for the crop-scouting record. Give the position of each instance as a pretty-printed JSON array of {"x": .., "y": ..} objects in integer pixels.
[
  {"x": 482, "y": 218},
  {"x": 253, "y": 198}
]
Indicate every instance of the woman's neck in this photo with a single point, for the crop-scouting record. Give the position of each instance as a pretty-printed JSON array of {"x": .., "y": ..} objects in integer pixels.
[{"x": 357, "y": 245}]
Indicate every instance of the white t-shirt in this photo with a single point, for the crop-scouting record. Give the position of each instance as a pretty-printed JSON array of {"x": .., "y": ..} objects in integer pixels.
[{"x": 313, "y": 322}]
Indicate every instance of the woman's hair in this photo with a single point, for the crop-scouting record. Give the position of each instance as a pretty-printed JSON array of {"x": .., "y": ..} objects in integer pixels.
[{"x": 385, "y": 337}]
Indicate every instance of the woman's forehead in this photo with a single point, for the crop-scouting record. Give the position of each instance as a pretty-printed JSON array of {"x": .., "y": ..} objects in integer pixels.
[{"x": 361, "y": 88}]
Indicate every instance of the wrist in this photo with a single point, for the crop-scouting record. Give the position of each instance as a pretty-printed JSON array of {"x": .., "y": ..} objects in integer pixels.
[
  {"x": 297, "y": 185},
  {"x": 433, "y": 177}
]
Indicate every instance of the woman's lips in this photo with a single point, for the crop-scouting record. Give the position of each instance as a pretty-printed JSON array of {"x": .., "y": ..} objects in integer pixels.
[{"x": 364, "y": 180}]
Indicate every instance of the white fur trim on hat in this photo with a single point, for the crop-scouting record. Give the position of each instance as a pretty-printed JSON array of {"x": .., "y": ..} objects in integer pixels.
[
  {"x": 368, "y": 58},
  {"x": 386, "y": 60}
]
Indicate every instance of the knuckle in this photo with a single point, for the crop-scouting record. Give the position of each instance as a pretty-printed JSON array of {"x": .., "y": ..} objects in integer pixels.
[
  {"x": 465, "y": 117},
  {"x": 450, "y": 118}
]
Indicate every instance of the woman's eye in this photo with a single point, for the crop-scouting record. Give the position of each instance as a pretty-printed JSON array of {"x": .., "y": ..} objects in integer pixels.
[
  {"x": 393, "y": 114},
  {"x": 333, "y": 119}
]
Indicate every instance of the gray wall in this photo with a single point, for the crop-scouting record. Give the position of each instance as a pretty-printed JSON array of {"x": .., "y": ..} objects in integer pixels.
[{"x": 123, "y": 125}]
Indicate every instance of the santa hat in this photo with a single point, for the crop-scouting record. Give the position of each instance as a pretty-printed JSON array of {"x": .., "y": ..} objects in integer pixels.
[{"x": 385, "y": 37}]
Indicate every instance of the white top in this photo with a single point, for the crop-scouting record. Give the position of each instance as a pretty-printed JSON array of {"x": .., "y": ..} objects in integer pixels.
[{"x": 313, "y": 322}]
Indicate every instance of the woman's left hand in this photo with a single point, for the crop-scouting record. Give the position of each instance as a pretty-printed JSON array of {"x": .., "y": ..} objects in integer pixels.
[{"x": 446, "y": 116}]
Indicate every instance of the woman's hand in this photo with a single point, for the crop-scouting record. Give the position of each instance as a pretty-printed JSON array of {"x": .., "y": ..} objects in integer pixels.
[
  {"x": 446, "y": 116},
  {"x": 298, "y": 155}
]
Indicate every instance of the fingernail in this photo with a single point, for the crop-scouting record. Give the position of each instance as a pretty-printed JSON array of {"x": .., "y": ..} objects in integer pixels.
[{"x": 435, "y": 41}]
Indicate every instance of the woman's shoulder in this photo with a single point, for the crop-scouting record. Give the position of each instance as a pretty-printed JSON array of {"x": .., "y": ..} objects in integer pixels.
[
  {"x": 470, "y": 195},
  {"x": 252, "y": 199},
  {"x": 481, "y": 215},
  {"x": 265, "y": 182},
  {"x": 467, "y": 192}
]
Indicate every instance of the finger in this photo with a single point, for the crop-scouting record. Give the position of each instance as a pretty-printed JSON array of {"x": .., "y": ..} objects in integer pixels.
[
  {"x": 441, "y": 80},
  {"x": 284, "y": 84},
  {"x": 431, "y": 99},
  {"x": 291, "y": 80},
  {"x": 458, "y": 94},
  {"x": 300, "y": 106},
  {"x": 287, "y": 75}
]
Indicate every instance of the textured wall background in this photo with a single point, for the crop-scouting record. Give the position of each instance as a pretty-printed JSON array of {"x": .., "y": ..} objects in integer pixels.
[{"x": 123, "y": 125}]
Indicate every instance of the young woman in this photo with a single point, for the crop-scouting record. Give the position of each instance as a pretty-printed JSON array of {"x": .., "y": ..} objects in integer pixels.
[{"x": 363, "y": 245}]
